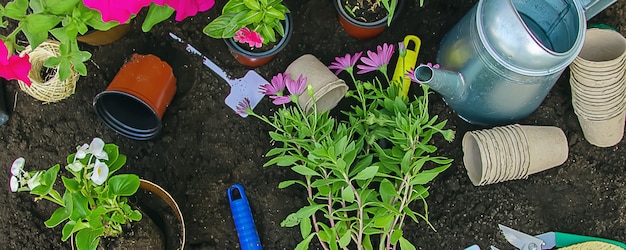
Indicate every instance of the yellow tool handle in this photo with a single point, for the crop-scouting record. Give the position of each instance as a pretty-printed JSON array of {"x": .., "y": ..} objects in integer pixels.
[{"x": 412, "y": 44}]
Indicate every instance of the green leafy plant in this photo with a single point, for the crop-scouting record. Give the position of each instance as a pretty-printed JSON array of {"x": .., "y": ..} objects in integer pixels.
[
  {"x": 362, "y": 174},
  {"x": 263, "y": 17},
  {"x": 389, "y": 5},
  {"x": 63, "y": 19},
  {"x": 94, "y": 202}
]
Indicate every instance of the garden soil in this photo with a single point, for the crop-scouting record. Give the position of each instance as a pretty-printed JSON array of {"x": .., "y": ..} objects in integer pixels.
[{"x": 204, "y": 147}]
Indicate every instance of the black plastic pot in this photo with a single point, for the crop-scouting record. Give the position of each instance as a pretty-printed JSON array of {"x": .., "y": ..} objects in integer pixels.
[{"x": 4, "y": 112}]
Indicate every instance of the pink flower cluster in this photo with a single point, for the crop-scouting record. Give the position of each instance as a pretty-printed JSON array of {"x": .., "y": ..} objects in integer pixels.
[
  {"x": 251, "y": 37},
  {"x": 14, "y": 67},
  {"x": 121, "y": 10}
]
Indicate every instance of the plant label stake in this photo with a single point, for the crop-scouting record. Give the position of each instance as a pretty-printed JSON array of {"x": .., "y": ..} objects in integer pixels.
[
  {"x": 242, "y": 215},
  {"x": 240, "y": 88},
  {"x": 412, "y": 44}
]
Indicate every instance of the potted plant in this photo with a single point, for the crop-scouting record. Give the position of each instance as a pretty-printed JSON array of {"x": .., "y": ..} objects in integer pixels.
[
  {"x": 94, "y": 202},
  {"x": 63, "y": 19},
  {"x": 70, "y": 21},
  {"x": 254, "y": 30},
  {"x": 363, "y": 174},
  {"x": 367, "y": 19}
]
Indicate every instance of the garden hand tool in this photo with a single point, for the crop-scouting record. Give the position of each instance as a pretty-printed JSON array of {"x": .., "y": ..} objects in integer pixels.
[
  {"x": 549, "y": 240},
  {"x": 4, "y": 113},
  {"x": 242, "y": 215},
  {"x": 412, "y": 44},
  {"x": 240, "y": 88}
]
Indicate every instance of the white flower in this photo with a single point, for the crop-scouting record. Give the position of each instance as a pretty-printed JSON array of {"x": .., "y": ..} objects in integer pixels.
[
  {"x": 75, "y": 166},
  {"x": 95, "y": 148},
  {"x": 34, "y": 181},
  {"x": 17, "y": 166},
  {"x": 14, "y": 184},
  {"x": 100, "y": 173}
]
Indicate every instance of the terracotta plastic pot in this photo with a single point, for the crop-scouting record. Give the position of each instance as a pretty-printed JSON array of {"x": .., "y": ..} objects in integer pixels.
[
  {"x": 98, "y": 37},
  {"x": 134, "y": 103},
  {"x": 359, "y": 29},
  {"x": 256, "y": 59}
]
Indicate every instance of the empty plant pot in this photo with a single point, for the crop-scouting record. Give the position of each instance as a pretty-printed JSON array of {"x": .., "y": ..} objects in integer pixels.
[
  {"x": 328, "y": 89},
  {"x": 134, "y": 103},
  {"x": 512, "y": 152},
  {"x": 104, "y": 37}
]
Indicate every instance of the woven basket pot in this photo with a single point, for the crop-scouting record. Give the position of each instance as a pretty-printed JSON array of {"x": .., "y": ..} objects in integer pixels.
[{"x": 47, "y": 87}]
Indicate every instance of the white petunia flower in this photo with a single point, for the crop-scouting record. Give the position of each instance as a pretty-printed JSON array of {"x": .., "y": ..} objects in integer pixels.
[
  {"x": 34, "y": 181},
  {"x": 100, "y": 173},
  {"x": 96, "y": 148},
  {"x": 14, "y": 184},
  {"x": 17, "y": 166}
]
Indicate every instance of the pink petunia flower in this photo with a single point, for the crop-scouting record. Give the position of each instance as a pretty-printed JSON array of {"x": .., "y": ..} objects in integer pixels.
[
  {"x": 117, "y": 10},
  {"x": 187, "y": 8},
  {"x": 345, "y": 63},
  {"x": 251, "y": 37},
  {"x": 14, "y": 67},
  {"x": 376, "y": 60}
]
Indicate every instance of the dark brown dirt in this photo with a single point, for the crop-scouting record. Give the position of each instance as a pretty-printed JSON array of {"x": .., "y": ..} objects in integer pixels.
[{"x": 205, "y": 147}]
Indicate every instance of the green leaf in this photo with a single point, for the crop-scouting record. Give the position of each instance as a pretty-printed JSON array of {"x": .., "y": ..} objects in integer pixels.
[
  {"x": 156, "y": 14},
  {"x": 71, "y": 184},
  {"x": 88, "y": 238},
  {"x": 285, "y": 184},
  {"x": 345, "y": 239},
  {"x": 34, "y": 39},
  {"x": 304, "y": 170},
  {"x": 252, "y": 4},
  {"x": 61, "y": 6},
  {"x": 47, "y": 181},
  {"x": 16, "y": 9},
  {"x": 41, "y": 23},
  {"x": 135, "y": 215},
  {"x": 72, "y": 227},
  {"x": 367, "y": 173},
  {"x": 80, "y": 207},
  {"x": 387, "y": 191},
  {"x": 405, "y": 244},
  {"x": 123, "y": 184},
  {"x": 347, "y": 194},
  {"x": 117, "y": 217},
  {"x": 64, "y": 69},
  {"x": 52, "y": 62},
  {"x": 427, "y": 175},
  {"x": 384, "y": 221},
  {"x": 59, "y": 215},
  {"x": 116, "y": 165},
  {"x": 291, "y": 220},
  {"x": 308, "y": 211},
  {"x": 305, "y": 227},
  {"x": 304, "y": 244}
]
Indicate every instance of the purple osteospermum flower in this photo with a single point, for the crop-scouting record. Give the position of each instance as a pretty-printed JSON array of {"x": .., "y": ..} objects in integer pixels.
[
  {"x": 276, "y": 86},
  {"x": 243, "y": 107},
  {"x": 411, "y": 75},
  {"x": 376, "y": 60},
  {"x": 296, "y": 87},
  {"x": 279, "y": 100},
  {"x": 345, "y": 63}
]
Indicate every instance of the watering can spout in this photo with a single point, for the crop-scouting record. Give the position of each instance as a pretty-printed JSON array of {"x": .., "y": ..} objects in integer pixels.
[
  {"x": 593, "y": 7},
  {"x": 447, "y": 83}
]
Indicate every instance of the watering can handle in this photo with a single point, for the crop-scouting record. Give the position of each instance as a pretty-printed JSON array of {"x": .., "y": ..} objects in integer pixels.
[
  {"x": 242, "y": 215},
  {"x": 593, "y": 7}
]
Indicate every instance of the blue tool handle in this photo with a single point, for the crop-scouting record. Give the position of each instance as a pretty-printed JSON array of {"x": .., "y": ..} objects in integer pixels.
[
  {"x": 4, "y": 111},
  {"x": 242, "y": 215}
]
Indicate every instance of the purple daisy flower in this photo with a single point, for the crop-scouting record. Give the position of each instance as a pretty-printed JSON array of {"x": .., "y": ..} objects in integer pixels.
[
  {"x": 376, "y": 60},
  {"x": 345, "y": 63},
  {"x": 296, "y": 87},
  {"x": 280, "y": 100},
  {"x": 243, "y": 107},
  {"x": 276, "y": 86}
]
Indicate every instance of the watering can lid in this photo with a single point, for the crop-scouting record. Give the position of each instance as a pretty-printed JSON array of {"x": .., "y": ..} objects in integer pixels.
[{"x": 510, "y": 41}]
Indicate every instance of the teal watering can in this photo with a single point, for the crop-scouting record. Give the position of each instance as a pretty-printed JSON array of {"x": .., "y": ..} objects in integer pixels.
[{"x": 501, "y": 59}]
